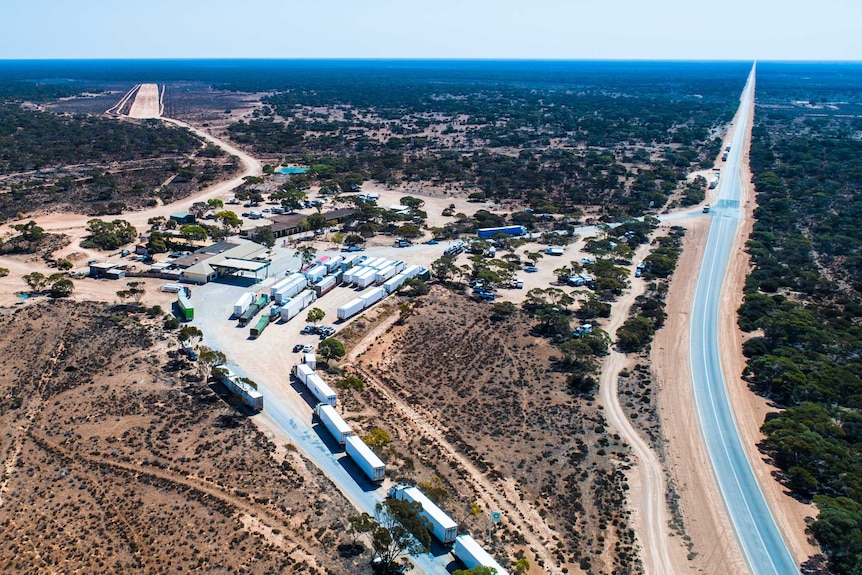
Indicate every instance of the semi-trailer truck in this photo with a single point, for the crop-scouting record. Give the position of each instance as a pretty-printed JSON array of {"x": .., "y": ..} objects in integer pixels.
[
  {"x": 507, "y": 230},
  {"x": 320, "y": 389},
  {"x": 242, "y": 303},
  {"x": 472, "y": 555},
  {"x": 351, "y": 308},
  {"x": 253, "y": 310},
  {"x": 371, "y": 465},
  {"x": 443, "y": 527},
  {"x": 333, "y": 422}
]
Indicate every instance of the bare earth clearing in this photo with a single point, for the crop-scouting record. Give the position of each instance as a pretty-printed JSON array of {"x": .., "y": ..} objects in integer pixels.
[{"x": 148, "y": 102}]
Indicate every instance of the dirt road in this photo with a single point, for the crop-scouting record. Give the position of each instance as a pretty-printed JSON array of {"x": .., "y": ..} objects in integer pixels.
[{"x": 147, "y": 102}]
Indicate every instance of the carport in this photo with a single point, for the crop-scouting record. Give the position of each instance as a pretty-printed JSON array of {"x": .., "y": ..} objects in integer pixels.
[{"x": 237, "y": 267}]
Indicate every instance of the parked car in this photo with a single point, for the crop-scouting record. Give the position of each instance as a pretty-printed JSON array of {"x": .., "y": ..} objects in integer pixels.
[
  {"x": 297, "y": 348},
  {"x": 353, "y": 249},
  {"x": 307, "y": 348},
  {"x": 308, "y": 329},
  {"x": 531, "y": 269},
  {"x": 432, "y": 242}
]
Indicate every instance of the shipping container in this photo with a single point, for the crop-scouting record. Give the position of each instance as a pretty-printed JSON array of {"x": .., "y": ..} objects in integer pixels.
[
  {"x": 242, "y": 303},
  {"x": 507, "y": 230},
  {"x": 393, "y": 284},
  {"x": 399, "y": 266},
  {"x": 302, "y": 371},
  {"x": 187, "y": 310},
  {"x": 260, "y": 326},
  {"x": 310, "y": 360},
  {"x": 325, "y": 286},
  {"x": 365, "y": 459},
  {"x": 320, "y": 389},
  {"x": 351, "y": 308},
  {"x": 333, "y": 422},
  {"x": 373, "y": 296},
  {"x": 472, "y": 555},
  {"x": 442, "y": 526}
]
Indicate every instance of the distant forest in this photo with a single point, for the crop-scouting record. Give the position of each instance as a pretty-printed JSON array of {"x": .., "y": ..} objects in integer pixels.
[{"x": 805, "y": 292}]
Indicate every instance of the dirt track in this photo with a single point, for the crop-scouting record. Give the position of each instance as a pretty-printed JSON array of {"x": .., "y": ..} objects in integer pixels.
[{"x": 147, "y": 102}]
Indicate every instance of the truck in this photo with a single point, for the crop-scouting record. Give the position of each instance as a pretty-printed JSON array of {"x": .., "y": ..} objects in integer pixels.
[
  {"x": 320, "y": 389},
  {"x": 412, "y": 271},
  {"x": 242, "y": 303},
  {"x": 310, "y": 360},
  {"x": 372, "y": 297},
  {"x": 253, "y": 310},
  {"x": 334, "y": 423},
  {"x": 316, "y": 273},
  {"x": 371, "y": 465},
  {"x": 391, "y": 285},
  {"x": 171, "y": 288},
  {"x": 366, "y": 279},
  {"x": 706, "y": 209},
  {"x": 554, "y": 251},
  {"x": 333, "y": 264},
  {"x": 713, "y": 182},
  {"x": 261, "y": 324},
  {"x": 325, "y": 285},
  {"x": 297, "y": 283},
  {"x": 472, "y": 555},
  {"x": 301, "y": 372},
  {"x": 247, "y": 394},
  {"x": 351, "y": 308},
  {"x": 292, "y": 307},
  {"x": 443, "y": 527},
  {"x": 507, "y": 230},
  {"x": 187, "y": 309},
  {"x": 385, "y": 274}
]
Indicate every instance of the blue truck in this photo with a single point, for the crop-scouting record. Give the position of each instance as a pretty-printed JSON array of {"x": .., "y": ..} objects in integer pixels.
[{"x": 507, "y": 230}]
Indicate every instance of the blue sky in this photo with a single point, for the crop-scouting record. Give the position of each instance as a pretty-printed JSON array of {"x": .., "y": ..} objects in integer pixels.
[{"x": 534, "y": 29}]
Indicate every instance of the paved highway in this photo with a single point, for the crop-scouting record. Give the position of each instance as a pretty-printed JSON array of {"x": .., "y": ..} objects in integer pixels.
[{"x": 762, "y": 544}]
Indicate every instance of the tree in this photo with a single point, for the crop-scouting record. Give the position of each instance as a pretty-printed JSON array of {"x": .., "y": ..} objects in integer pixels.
[
  {"x": 65, "y": 265},
  {"x": 409, "y": 231},
  {"x": 198, "y": 209},
  {"x": 411, "y": 202},
  {"x": 157, "y": 243},
  {"x": 399, "y": 530},
  {"x": 209, "y": 358},
  {"x": 264, "y": 236},
  {"x": 377, "y": 439},
  {"x": 313, "y": 222},
  {"x": 193, "y": 233},
  {"x": 330, "y": 348},
  {"x": 306, "y": 255},
  {"x": 522, "y": 566},
  {"x": 37, "y": 281},
  {"x": 353, "y": 240},
  {"x": 229, "y": 220},
  {"x": 30, "y": 232},
  {"x": 215, "y": 204},
  {"x": 156, "y": 223},
  {"x": 359, "y": 525},
  {"x": 444, "y": 268},
  {"x": 189, "y": 335},
  {"x": 314, "y": 315},
  {"x": 4, "y": 272},
  {"x": 109, "y": 235},
  {"x": 351, "y": 382},
  {"x": 62, "y": 288}
]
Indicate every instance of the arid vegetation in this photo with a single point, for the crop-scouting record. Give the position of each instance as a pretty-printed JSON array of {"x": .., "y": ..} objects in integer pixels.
[{"x": 118, "y": 457}]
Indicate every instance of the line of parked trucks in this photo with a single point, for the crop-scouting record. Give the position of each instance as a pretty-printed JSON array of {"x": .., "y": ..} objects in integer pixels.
[{"x": 441, "y": 526}]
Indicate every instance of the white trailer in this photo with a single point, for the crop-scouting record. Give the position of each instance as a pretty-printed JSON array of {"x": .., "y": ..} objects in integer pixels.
[
  {"x": 385, "y": 274},
  {"x": 412, "y": 271},
  {"x": 333, "y": 422},
  {"x": 333, "y": 264},
  {"x": 325, "y": 285},
  {"x": 372, "y": 297},
  {"x": 713, "y": 182},
  {"x": 400, "y": 266},
  {"x": 242, "y": 303},
  {"x": 246, "y": 393},
  {"x": 348, "y": 262},
  {"x": 365, "y": 459},
  {"x": 310, "y": 360},
  {"x": 291, "y": 308},
  {"x": 171, "y": 288},
  {"x": 274, "y": 288},
  {"x": 289, "y": 288},
  {"x": 301, "y": 371},
  {"x": 372, "y": 262},
  {"x": 320, "y": 389},
  {"x": 472, "y": 555},
  {"x": 367, "y": 278},
  {"x": 351, "y": 308},
  {"x": 393, "y": 284},
  {"x": 442, "y": 526},
  {"x": 316, "y": 273}
]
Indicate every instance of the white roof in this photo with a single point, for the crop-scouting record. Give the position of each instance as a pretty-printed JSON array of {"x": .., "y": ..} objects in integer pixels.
[
  {"x": 365, "y": 452},
  {"x": 475, "y": 550}
]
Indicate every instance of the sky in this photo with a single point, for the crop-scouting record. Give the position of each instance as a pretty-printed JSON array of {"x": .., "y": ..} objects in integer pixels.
[{"x": 505, "y": 29}]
